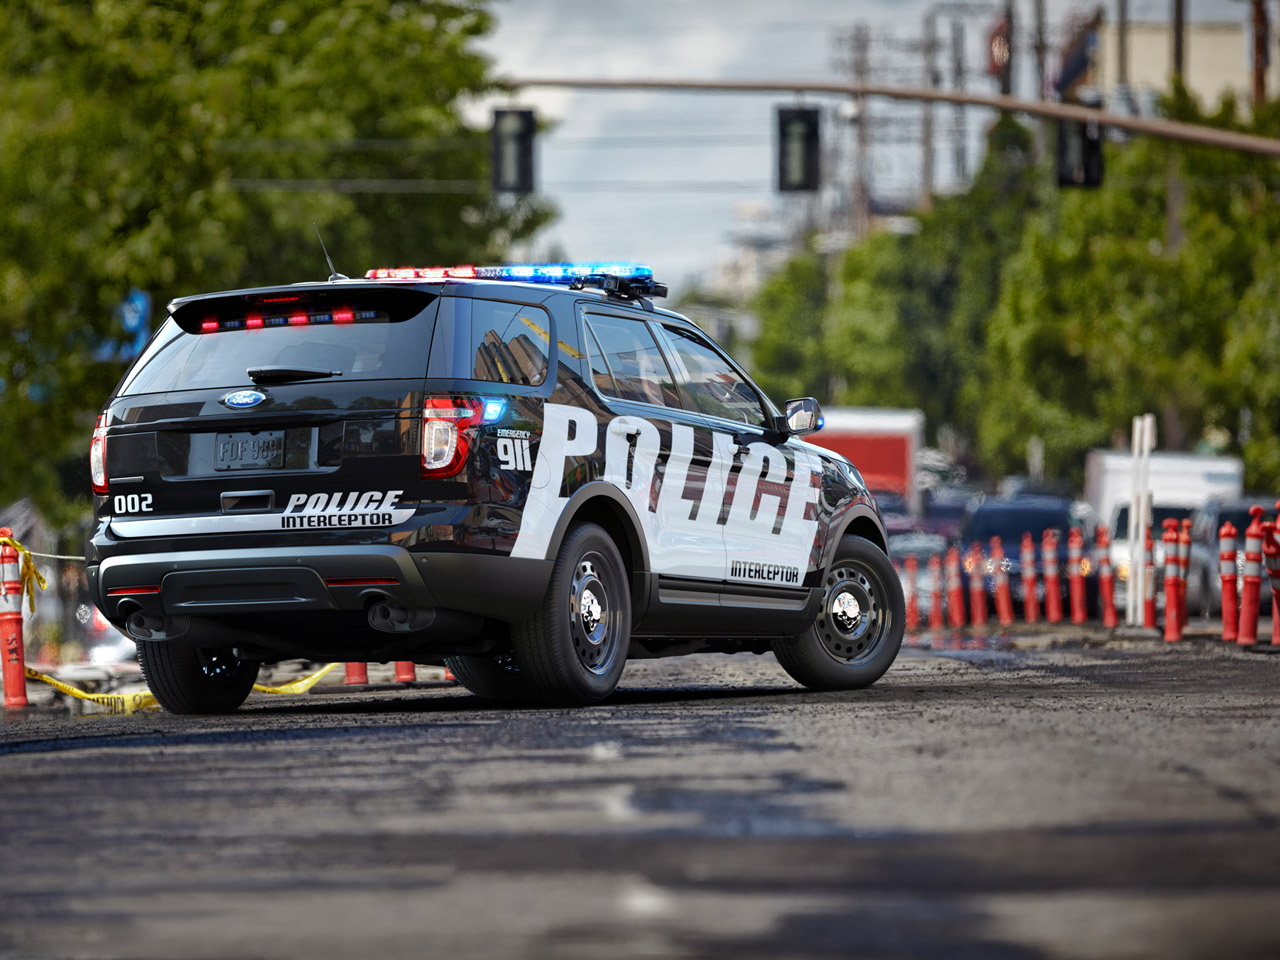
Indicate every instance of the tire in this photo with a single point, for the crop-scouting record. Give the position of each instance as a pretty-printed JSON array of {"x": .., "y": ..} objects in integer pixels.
[
  {"x": 851, "y": 646},
  {"x": 190, "y": 680},
  {"x": 573, "y": 650},
  {"x": 491, "y": 678}
]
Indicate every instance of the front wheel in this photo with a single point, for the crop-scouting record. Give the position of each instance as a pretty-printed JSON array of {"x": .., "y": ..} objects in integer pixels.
[
  {"x": 191, "y": 680},
  {"x": 573, "y": 649},
  {"x": 858, "y": 631}
]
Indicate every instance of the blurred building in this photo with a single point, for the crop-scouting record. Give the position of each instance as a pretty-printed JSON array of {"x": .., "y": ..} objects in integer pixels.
[{"x": 1218, "y": 59}]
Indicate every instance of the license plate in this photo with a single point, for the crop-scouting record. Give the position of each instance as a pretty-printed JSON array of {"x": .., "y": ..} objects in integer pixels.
[{"x": 260, "y": 450}]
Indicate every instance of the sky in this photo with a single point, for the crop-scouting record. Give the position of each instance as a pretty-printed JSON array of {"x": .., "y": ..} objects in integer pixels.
[{"x": 664, "y": 178}]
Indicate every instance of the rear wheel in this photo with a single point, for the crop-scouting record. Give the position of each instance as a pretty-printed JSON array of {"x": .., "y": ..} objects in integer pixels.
[
  {"x": 858, "y": 631},
  {"x": 491, "y": 677},
  {"x": 191, "y": 680},
  {"x": 574, "y": 648}
]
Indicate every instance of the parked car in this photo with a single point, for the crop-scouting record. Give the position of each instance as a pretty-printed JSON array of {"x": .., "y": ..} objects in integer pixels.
[
  {"x": 1204, "y": 568},
  {"x": 1198, "y": 590},
  {"x": 1008, "y": 518}
]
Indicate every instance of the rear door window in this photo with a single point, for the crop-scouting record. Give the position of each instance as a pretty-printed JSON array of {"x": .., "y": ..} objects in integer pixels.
[
  {"x": 491, "y": 340},
  {"x": 632, "y": 360}
]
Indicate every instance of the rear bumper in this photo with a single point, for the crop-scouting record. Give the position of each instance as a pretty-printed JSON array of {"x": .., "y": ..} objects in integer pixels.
[{"x": 310, "y": 579}]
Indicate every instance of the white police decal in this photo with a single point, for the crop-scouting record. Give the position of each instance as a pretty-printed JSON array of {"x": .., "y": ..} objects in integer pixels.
[{"x": 770, "y": 518}]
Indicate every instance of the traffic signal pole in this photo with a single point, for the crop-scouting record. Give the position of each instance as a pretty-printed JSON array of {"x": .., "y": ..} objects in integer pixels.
[{"x": 1164, "y": 129}]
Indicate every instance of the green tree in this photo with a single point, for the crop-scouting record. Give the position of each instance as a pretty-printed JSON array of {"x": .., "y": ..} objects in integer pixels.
[{"x": 137, "y": 145}]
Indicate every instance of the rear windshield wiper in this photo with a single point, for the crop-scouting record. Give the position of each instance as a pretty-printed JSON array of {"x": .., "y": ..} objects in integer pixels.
[{"x": 288, "y": 374}]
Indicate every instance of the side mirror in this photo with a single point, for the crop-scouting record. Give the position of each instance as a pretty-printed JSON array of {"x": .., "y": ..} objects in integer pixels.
[{"x": 803, "y": 416}]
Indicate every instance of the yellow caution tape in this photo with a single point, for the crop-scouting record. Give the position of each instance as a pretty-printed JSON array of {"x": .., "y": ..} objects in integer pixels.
[
  {"x": 114, "y": 702},
  {"x": 29, "y": 575},
  {"x": 298, "y": 686}
]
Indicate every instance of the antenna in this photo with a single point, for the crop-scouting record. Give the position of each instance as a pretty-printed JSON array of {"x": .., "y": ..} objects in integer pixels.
[{"x": 333, "y": 272}]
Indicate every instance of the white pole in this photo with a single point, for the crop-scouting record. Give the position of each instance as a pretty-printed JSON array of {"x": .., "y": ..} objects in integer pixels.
[
  {"x": 1133, "y": 597},
  {"x": 1144, "y": 482}
]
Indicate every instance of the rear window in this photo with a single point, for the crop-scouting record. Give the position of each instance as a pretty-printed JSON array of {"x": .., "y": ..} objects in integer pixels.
[
  {"x": 491, "y": 340},
  {"x": 213, "y": 346}
]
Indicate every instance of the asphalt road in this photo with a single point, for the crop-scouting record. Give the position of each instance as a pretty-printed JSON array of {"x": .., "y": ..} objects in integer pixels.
[{"x": 1086, "y": 800}]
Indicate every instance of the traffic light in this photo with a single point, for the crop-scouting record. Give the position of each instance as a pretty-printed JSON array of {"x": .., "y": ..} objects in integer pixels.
[
  {"x": 513, "y": 132},
  {"x": 798, "y": 145},
  {"x": 1079, "y": 154}
]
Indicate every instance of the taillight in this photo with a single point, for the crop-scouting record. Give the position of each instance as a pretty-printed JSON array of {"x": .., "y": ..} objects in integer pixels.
[
  {"x": 98, "y": 456},
  {"x": 448, "y": 426}
]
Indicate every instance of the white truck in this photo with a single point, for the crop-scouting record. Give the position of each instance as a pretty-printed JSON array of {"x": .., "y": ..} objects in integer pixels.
[{"x": 1179, "y": 483}]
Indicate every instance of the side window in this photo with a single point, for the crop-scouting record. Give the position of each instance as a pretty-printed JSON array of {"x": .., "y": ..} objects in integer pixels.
[
  {"x": 637, "y": 366},
  {"x": 716, "y": 388},
  {"x": 491, "y": 340},
  {"x": 599, "y": 369}
]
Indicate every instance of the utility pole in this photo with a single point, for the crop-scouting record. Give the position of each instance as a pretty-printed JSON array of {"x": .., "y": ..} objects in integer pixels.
[
  {"x": 1179, "y": 31},
  {"x": 1041, "y": 133},
  {"x": 862, "y": 190},
  {"x": 1006, "y": 77},
  {"x": 1261, "y": 56},
  {"x": 957, "y": 83},
  {"x": 1174, "y": 195},
  {"x": 1122, "y": 46},
  {"x": 926, "y": 132}
]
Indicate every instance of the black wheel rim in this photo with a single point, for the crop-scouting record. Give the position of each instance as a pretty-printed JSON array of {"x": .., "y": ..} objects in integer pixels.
[
  {"x": 856, "y": 616},
  {"x": 595, "y": 623},
  {"x": 218, "y": 665}
]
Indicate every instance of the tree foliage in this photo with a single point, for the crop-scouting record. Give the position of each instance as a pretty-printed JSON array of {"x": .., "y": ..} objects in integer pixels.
[
  {"x": 136, "y": 140},
  {"x": 1022, "y": 311}
]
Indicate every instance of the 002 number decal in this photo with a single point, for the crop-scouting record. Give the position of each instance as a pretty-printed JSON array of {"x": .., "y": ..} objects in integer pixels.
[{"x": 133, "y": 503}]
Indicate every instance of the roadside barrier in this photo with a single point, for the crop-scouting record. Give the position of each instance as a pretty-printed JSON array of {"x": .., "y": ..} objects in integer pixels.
[
  {"x": 1030, "y": 606},
  {"x": 1172, "y": 621},
  {"x": 1106, "y": 582},
  {"x": 1075, "y": 575},
  {"x": 11, "y": 646},
  {"x": 1247, "y": 627},
  {"x": 955, "y": 589},
  {"x": 1271, "y": 552},
  {"x": 406, "y": 671},
  {"x": 1149, "y": 580},
  {"x": 1184, "y": 568},
  {"x": 1052, "y": 583},
  {"x": 911, "y": 567},
  {"x": 1000, "y": 576},
  {"x": 977, "y": 586},
  {"x": 935, "y": 592},
  {"x": 1227, "y": 569}
]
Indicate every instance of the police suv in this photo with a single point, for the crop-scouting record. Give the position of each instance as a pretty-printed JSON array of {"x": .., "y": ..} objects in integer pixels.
[{"x": 529, "y": 474}]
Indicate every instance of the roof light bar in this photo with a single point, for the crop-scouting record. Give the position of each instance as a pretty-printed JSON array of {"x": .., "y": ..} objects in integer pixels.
[{"x": 527, "y": 273}]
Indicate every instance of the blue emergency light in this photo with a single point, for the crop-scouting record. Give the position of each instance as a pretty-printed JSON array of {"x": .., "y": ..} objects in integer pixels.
[
  {"x": 630, "y": 281},
  {"x": 527, "y": 273}
]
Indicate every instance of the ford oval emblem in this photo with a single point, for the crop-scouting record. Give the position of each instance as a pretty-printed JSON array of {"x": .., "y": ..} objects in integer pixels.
[{"x": 243, "y": 399}]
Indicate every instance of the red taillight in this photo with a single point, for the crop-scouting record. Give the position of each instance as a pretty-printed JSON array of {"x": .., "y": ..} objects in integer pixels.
[
  {"x": 98, "y": 456},
  {"x": 448, "y": 425},
  {"x": 131, "y": 591}
]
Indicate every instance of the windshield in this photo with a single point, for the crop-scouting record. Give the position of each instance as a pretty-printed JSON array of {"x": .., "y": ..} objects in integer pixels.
[{"x": 1120, "y": 530}]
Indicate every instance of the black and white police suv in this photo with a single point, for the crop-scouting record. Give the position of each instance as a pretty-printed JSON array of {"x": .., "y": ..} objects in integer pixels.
[{"x": 529, "y": 474}]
